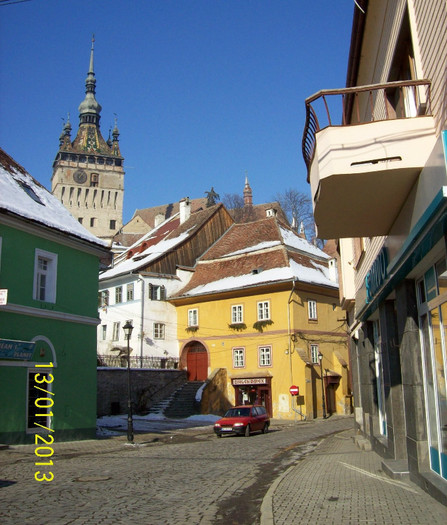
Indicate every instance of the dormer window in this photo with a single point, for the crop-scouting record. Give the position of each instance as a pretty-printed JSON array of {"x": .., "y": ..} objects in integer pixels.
[
  {"x": 271, "y": 212},
  {"x": 29, "y": 191}
]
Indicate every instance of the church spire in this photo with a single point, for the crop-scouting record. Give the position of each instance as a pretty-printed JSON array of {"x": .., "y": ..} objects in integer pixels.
[
  {"x": 89, "y": 109},
  {"x": 248, "y": 194}
]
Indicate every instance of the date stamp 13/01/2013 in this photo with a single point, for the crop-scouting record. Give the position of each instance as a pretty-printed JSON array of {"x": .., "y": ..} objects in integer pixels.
[{"x": 41, "y": 414}]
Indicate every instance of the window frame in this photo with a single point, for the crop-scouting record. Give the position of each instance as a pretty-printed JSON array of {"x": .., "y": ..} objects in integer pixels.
[
  {"x": 130, "y": 291},
  {"x": 157, "y": 292},
  {"x": 118, "y": 294},
  {"x": 312, "y": 312},
  {"x": 313, "y": 347},
  {"x": 263, "y": 310},
  {"x": 159, "y": 331},
  {"x": 238, "y": 354},
  {"x": 50, "y": 276},
  {"x": 237, "y": 313},
  {"x": 193, "y": 315},
  {"x": 116, "y": 331},
  {"x": 261, "y": 356}
]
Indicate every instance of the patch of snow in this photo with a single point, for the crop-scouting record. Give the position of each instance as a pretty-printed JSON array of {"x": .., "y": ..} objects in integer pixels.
[
  {"x": 256, "y": 247},
  {"x": 294, "y": 241}
]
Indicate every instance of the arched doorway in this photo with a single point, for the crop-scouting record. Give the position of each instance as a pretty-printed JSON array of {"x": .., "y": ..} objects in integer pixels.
[{"x": 196, "y": 361}]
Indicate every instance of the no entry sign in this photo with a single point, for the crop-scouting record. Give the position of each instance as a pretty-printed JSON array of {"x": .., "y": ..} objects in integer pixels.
[{"x": 294, "y": 390}]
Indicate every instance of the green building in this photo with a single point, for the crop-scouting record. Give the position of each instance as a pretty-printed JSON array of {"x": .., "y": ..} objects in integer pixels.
[{"x": 49, "y": 267}]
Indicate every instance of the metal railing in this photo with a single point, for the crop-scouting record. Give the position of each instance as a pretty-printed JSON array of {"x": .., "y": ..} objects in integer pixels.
[
  {"x": 360, "y": 105},
  {"x": 120, "y": 361}
]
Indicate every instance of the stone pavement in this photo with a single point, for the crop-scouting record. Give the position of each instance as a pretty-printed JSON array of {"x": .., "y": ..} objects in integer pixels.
[{"x": 340, "y": 484}]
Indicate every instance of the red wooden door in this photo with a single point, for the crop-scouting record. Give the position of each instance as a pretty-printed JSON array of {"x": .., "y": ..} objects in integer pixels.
[{"x": 197, "y": 363}]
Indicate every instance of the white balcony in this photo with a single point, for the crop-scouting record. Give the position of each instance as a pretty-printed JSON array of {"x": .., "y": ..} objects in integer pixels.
[{"x": 361, "y": 174}]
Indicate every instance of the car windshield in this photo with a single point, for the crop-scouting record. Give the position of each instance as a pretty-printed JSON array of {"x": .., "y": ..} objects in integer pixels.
[{"x": 238, "y": 412}]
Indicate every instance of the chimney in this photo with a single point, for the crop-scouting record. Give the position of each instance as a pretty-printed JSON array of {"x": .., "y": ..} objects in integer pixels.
[
  {"x": 185, "y": 209},
  {"x": 333, "y": 272}
]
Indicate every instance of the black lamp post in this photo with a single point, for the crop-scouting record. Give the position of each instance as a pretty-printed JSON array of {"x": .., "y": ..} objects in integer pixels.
[
  {"x": 320, "y": 358},
  {"x": 128, "y": 327}
]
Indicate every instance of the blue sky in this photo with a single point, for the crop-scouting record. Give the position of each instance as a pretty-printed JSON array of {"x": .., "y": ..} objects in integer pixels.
[{"x": 204, "y": 90}]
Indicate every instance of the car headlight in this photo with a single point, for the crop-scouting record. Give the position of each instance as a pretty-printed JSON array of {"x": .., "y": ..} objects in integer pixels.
[
  {"x": 238, "y": 425},
  {"x": 217, "y": 425}
]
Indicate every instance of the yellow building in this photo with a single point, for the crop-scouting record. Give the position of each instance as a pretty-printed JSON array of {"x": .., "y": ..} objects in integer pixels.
[{"x": 261, "y": 314}]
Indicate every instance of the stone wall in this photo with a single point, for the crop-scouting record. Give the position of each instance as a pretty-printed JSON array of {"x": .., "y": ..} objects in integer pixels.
[{"x": 147, "y": 386}]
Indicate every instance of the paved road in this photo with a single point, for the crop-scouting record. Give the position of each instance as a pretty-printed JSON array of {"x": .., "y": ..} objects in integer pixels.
[{"x": 179, "y": 477}]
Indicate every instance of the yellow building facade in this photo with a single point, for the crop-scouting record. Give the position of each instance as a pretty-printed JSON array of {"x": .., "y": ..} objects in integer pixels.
[{"x": 252, "y": 342}]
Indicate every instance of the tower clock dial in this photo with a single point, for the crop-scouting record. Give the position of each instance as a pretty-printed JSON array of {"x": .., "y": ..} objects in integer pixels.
[{"x": 80, "y": 176}]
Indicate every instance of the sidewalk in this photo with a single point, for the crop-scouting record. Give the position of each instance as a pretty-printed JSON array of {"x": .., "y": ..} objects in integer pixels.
[{"x": 340, "y": 484}]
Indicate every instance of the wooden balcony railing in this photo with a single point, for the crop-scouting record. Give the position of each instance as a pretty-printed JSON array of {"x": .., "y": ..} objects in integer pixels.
[{"x": 360, "y": 105}]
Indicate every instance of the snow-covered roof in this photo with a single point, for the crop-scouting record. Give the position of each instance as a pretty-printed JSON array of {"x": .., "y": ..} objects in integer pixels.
[
  {"x": 266, "y": 252},
  {"x": 22, "y": 195}
]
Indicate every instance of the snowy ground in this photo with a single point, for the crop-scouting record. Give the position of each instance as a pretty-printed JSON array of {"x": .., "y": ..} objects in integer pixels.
[{"x": 157, "y": 423}]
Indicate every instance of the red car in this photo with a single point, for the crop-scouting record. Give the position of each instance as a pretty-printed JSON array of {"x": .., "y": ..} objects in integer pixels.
[{"x": 242, "y": 420}]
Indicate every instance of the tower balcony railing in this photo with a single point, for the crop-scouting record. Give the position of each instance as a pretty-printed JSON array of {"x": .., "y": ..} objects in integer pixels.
[{"x": 361, "y": 139}]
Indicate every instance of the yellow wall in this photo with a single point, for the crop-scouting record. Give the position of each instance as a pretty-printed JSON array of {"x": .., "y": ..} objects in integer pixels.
[{"x": 287, "y": 366}]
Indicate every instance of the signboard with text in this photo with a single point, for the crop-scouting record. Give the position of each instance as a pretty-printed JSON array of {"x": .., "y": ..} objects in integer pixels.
[{"x": 10, "y": 349}]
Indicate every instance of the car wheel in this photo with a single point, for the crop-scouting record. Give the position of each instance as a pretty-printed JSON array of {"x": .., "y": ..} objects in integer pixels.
[
  {"x": 219, "y": 435},
  {"x": 265, "y": 429},
  {"x": 247, "y": 431}
]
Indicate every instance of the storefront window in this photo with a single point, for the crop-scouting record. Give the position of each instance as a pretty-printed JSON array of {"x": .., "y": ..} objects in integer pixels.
[{"x": 432, "y": 302}]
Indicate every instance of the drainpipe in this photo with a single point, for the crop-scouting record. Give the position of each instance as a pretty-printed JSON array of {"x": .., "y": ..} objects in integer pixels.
[{"x": 297, "y": 410}]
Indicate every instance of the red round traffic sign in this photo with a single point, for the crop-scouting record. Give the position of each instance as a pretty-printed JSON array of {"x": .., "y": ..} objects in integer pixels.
[{"x": 294, "y": 390}]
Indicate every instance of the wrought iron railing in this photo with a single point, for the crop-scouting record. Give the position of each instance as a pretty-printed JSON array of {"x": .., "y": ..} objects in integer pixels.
[
  {"x": 360, "y": 105},
  {"x": 120, "y": 361}
]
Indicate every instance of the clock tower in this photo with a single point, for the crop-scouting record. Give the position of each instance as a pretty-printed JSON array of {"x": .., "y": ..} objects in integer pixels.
[{"x": 88, "y": 174}]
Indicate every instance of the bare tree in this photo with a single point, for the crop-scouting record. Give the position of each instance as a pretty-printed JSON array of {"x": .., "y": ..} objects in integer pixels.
[
  {"x": 298, "y": 206},
  {"x": 233, "y": 201}
]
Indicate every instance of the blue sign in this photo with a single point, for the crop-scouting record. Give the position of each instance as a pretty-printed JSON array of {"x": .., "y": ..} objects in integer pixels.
[
  {"x": 377, "y": 274},
  {"x": 22, "y": 350}
]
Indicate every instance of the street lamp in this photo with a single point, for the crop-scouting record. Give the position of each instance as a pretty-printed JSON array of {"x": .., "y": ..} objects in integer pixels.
[
  {"x": 128, "y": 327},
  {"x": 320, "y": 358}
]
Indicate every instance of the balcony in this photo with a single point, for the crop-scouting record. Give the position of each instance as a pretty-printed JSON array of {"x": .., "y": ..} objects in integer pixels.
[{"x": 364, "y": 149}]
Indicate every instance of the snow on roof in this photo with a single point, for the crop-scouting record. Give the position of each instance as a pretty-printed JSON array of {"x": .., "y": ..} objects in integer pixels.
[
  {"x": 295, "y": 241},
  {"x": 255, "y": 248},
  {"x": 22, "y": 195},
  {"x": 140, "y": 260},
  {"x": 318, "y": 275}
]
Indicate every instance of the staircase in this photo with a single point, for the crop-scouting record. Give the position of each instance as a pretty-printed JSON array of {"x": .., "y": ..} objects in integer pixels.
[{"x": 181, "y": 404}]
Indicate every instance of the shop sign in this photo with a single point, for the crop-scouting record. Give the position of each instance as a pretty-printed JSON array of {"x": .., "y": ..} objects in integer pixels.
[
  {"x": 377, "y": 275},
  {"x": 10, "y": 349},
  {"x": 250, "y": 381}
]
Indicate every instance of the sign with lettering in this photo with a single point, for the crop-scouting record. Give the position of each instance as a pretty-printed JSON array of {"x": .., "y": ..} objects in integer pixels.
[
  {"x": 377, "y": 274},
  {"x": 10, "y": 349},
  {"x": 3, "y": 296},
  {"x": 250, "y": 381}
]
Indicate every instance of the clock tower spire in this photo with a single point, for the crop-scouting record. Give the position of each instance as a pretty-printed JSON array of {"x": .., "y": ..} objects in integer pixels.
[{"x": 88, "y": 174}]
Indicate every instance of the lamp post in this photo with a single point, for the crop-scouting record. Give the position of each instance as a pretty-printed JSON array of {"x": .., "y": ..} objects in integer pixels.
[
  {"x": 128, "y": 327},
  {"x": 320, "y": 358}
]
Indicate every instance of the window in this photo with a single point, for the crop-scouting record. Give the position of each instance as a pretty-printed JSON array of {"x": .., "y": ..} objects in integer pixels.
[
  {"x": 159, "y": 331},
  {"x": 265, "y": 356},
  {"x": 112, "y": 225},
  {"x": 94, "y": 180},
  {"x": 238, "y": 357},
  {"x": 312, "y": 309},
  {"x": 104, "y": 332},
  {"x": 116, "y": 331},
  {"x": 45, "y": 273},
  {"x": 39, "y": 415},
  {"x": 263, "y": 310},
  {"x": 92, "y": 222},
  {"x": 193, "y": 317},
  {"x": 103, "y": 298},
  {"x": 118, "y": 294},
  {"x": 157, "y": 293},
  {"x": 237, "y": 313},
  {"x": 130, "y": 292},
  {"x": 80, "y": 219},
  {"x": 314, "y": 351}
]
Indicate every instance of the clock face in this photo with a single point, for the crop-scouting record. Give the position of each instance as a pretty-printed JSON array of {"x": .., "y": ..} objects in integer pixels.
[{"x": 80, "y": 176}]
